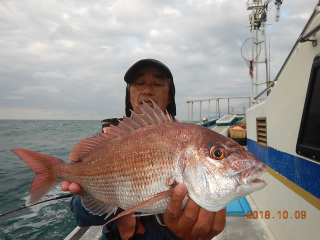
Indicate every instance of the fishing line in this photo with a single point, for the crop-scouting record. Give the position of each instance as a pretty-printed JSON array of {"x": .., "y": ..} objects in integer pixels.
[{"x": 51, "y": 199}]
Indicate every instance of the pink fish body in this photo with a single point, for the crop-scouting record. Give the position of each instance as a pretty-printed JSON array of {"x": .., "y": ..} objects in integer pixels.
[{"x": 136, "y": 165}]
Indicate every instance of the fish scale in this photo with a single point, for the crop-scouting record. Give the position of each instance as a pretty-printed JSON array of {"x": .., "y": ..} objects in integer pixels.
[{"x": 136, "y": 165}]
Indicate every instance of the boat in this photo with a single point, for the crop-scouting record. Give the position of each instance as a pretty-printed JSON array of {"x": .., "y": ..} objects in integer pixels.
[{"x": 283, "y": 130}]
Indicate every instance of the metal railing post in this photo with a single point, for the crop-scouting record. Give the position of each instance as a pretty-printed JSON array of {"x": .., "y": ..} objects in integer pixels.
[
  {"x": 208, "y": 110},
  {"x": 200, "y": 110},
  {"x": 219, "y": 106},
  {"x": 192, "y": 112},
  {"x": 188, "y": 111},
  {"x": 216, "y": 108}
]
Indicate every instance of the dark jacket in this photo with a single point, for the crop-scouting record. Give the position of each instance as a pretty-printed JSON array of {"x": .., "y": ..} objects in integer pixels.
[{"x": 154, "y": 230}]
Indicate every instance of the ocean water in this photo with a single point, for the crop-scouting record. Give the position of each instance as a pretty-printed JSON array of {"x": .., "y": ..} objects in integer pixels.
[{"x": 51, "y": 220}]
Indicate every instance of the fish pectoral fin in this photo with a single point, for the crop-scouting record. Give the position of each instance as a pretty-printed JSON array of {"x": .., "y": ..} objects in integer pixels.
[
  {"x": 149, "y": 202},
  {"x": 95, "y": 207},
  {"x": 112, "y": 211}
]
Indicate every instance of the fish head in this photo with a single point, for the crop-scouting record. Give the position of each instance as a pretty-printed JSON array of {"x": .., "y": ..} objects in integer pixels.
[{"x": 217, "y": 170}]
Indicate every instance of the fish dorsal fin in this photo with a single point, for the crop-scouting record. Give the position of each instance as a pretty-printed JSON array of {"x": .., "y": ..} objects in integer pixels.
[
  {"x": 87, "y": 144},
  {"x": 149, "y": 116},
  {"x": 155, "y": 115}
]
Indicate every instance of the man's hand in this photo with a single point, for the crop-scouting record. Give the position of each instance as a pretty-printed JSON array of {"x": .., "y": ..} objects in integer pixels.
[
  {"x": 71, "y": 187},
  {"x": 193, "y": 222}
]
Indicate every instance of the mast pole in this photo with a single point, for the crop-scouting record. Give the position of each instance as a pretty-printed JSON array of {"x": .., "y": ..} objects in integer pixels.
[
  {"x": 257, "y": 38},
  {"x": 266, "y": 53},
  {"x": 266, "y": 56},
  {"x": 252, "y": 51},
  {"x": 269, "y": 61},
  {"x": 257, "y": 75}
]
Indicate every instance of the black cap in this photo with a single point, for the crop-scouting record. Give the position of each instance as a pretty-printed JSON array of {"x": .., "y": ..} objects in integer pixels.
[{"x": 144, "y": 63}]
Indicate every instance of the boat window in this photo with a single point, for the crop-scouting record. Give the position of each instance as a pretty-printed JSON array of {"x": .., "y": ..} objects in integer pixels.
[{"x": 308, "y": 143}]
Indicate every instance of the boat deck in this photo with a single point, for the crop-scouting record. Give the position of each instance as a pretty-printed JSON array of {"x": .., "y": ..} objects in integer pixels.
[
  {"x": 239, "y": 227},
  {"x": 85, "y": 233}
]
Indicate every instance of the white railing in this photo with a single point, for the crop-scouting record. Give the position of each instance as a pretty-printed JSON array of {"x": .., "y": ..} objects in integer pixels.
[{"x": 217, "y": 103}]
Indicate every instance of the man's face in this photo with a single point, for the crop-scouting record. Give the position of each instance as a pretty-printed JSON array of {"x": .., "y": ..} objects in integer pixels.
[{"x": 149, "y": 83}]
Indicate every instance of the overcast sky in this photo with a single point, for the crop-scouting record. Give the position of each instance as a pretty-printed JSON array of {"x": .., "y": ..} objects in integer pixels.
[{"x": 66, "y": 59}]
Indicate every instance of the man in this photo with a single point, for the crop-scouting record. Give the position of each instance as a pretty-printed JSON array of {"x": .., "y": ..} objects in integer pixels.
[{"x": 151, "y": 79}]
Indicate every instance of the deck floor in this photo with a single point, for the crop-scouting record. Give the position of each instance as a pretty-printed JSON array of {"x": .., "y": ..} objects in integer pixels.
[{"x": 239, "y": 227}]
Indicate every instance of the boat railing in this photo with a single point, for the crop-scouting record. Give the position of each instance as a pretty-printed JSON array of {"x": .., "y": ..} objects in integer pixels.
[
  {"x": 305, "y": 37},
  {"x": 218, "y": 111},
  {"x": 268, "y": 89}
]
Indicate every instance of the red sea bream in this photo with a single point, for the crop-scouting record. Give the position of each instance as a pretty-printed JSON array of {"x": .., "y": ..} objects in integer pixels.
[{"x": 136, "y": 164}]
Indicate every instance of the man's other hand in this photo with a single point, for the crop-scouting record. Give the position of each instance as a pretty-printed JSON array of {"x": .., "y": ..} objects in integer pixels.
[
  {"x": 193, "y": 222},
  {"x": 71, "y": 187}
]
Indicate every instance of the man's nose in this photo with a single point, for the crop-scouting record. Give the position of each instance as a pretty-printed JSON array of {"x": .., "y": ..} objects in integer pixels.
[{"x": 148, "y": 90}]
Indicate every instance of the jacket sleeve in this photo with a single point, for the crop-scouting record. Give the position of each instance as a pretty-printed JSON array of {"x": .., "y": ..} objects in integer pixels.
[{"x": 83, "y": 217}]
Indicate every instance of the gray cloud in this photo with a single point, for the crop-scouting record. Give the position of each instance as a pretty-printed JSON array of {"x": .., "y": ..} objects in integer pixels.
[{"x": 66, "y": 59}]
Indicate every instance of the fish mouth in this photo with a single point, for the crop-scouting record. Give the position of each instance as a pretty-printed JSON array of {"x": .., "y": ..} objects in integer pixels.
[
  {"x": 257, "y": 180},
  {"x": 250, "y": 175}
]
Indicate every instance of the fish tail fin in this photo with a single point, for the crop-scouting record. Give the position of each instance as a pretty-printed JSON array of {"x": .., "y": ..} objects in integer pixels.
[{"x": 46, "y": 178}]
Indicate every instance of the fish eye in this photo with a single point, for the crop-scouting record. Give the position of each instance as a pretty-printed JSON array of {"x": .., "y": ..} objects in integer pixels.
[{"x": 217, "y": 153}]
